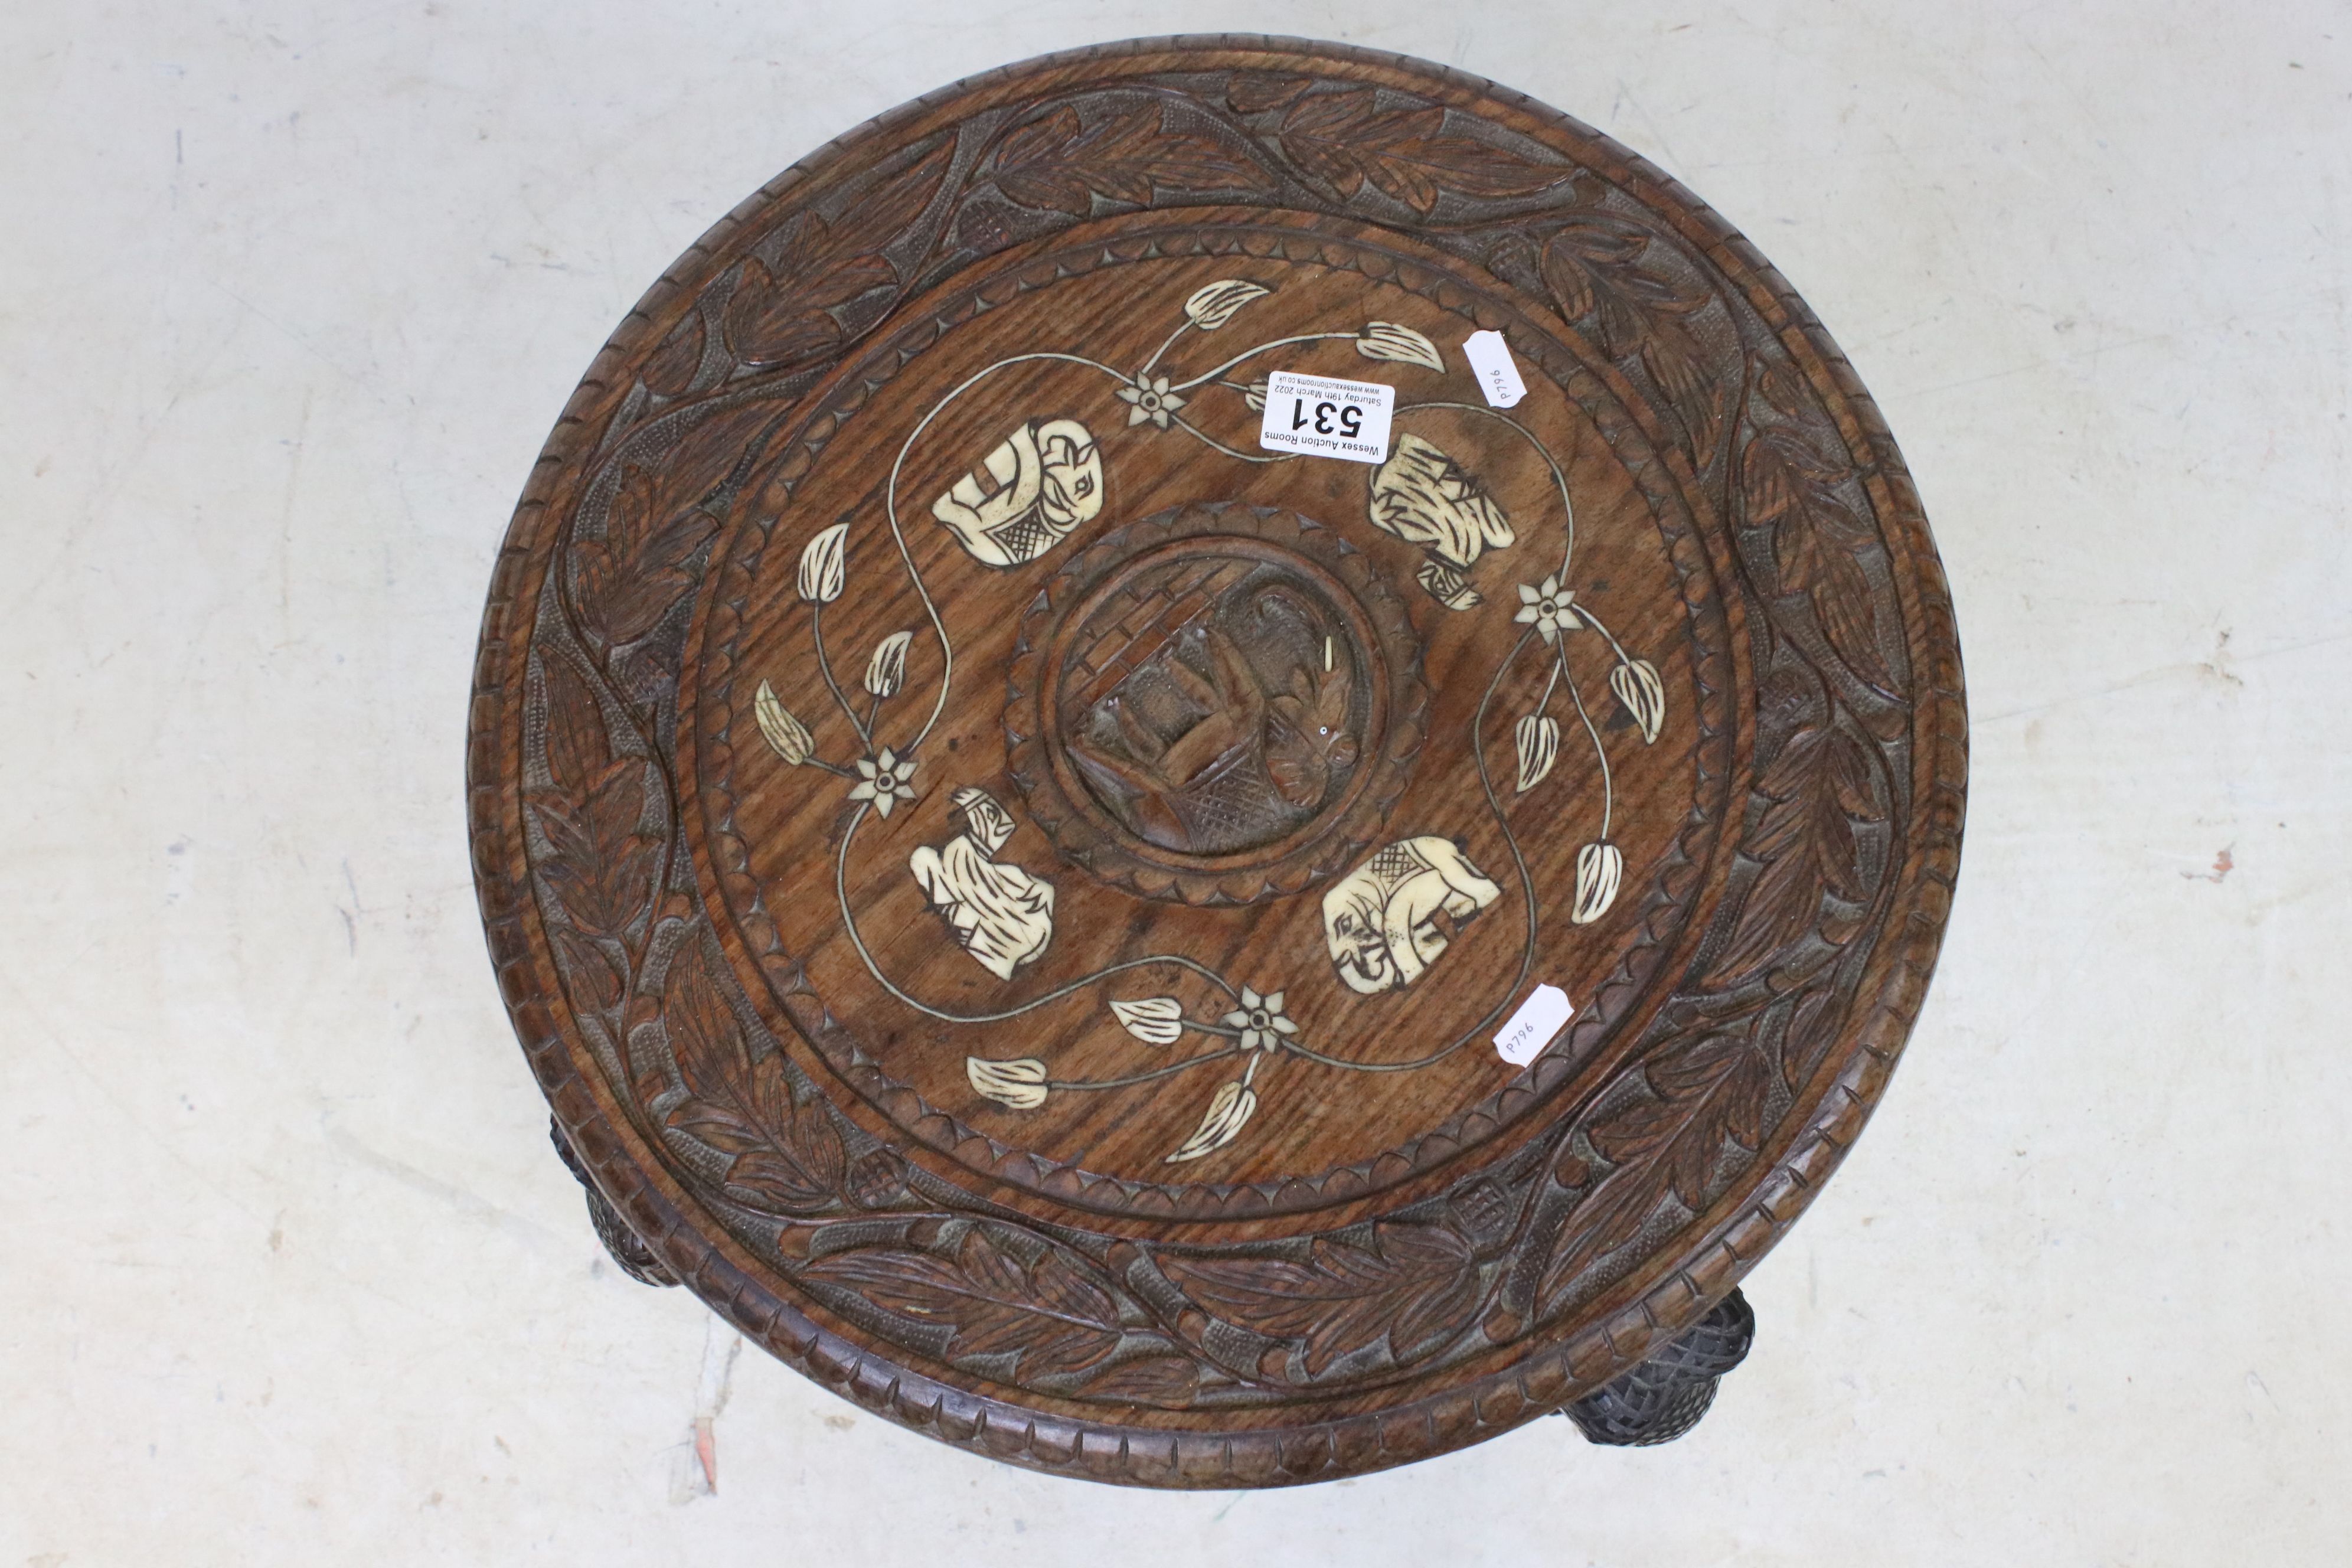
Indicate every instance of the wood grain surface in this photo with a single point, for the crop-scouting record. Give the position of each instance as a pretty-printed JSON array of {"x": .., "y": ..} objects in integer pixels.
[{"x": 1010, "y": 888}]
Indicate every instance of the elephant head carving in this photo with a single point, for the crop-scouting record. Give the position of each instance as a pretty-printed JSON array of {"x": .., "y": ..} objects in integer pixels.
[{"x": 1042, "y": 481}]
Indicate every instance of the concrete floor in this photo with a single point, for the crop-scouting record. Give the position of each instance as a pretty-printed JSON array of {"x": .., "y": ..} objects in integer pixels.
[{"x": 290, "y": 297}]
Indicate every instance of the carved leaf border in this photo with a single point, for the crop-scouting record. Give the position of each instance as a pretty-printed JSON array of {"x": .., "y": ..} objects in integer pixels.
[
  {"x": 1412, "y": 1286},
  {"x": 809, "y": 288}
]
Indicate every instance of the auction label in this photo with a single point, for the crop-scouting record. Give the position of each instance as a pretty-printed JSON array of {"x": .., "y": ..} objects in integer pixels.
[
  {"x": 1497, "y": 372},
  {"x": 1539, "y": 1018},
  {"x": 1319, "y": 417}
]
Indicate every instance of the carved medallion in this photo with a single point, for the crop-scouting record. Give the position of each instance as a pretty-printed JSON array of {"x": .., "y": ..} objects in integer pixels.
[
  {"x": 1225, "y": 700},
  {"x": 1013, "y": 889},
  {"x": 1161, "y": 701}
]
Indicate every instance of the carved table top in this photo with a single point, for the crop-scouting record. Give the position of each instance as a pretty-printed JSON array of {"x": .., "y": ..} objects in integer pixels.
[{"x": 1012, "y": 888}]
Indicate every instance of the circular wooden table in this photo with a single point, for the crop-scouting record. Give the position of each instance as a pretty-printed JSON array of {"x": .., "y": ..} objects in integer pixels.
[{"x": 1121, "y": 917}]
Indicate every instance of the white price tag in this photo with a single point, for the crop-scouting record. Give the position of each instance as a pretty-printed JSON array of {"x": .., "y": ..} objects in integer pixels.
[
  {"x": 1320, "y": 417},
  {"x": 1497, "y": 372},
  {"x": 1539, "y": 1018}
]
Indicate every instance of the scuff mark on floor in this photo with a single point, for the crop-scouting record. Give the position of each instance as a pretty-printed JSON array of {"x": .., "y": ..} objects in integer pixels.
[
  {"x": 462, "y": 1200},
  {"x": 706, "y": 1451},
  {"x": 2224, "y": 864},
  {"x": 700, "y": 1477},
  {"x": 351, "y": 916},
  {"x": 2218, "y": 665}
]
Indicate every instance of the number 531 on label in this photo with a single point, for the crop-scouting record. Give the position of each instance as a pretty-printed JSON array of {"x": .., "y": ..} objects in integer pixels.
[{"x": 1318, "y": 417}]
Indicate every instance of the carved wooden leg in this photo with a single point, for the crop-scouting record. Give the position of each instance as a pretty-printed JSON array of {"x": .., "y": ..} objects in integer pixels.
[
  {"x": 636, "y": 1259},
  {"x": 1664, "y": 1397}
]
